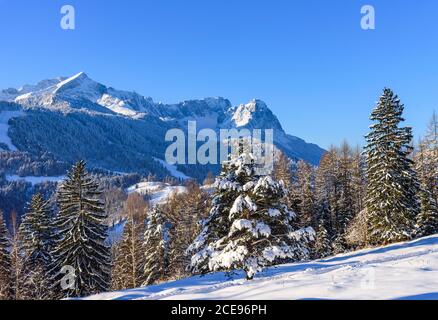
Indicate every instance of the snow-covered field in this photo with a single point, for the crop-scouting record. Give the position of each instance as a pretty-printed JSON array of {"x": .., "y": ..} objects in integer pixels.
[
  {"x": 158, "y": 192},
  {"x": 401, "y": 271},
  {"x": 5, "y": 116}
]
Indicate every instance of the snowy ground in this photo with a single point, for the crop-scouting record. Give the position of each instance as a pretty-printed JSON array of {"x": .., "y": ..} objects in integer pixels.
[
  {"x": 173, "y": 170},
  {"x": 158, "y": 192},
  {"x": 5, "y": 116},
  {"x": 401, "y": 271}
]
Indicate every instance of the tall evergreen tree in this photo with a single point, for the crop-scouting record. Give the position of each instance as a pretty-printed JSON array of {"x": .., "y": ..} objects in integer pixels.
[
  {"x": 5, "y": 261},
  {"x": 35, "y": 239},
  {"x": 427, "y": 220},
  {"x": 322, "y": 247},
  {"x": 217, "y": 224},
  {"x": 82, "y": 232},
  {"x": 259, "y": 230},
  {"x": 156, "y": 247},
  {"x": 392, "y": 203}
]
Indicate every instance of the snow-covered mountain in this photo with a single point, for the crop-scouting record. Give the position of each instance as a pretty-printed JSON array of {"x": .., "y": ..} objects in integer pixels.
[
  {"x": 406, "y": 270},
  {"x": 119, "y": 124}
]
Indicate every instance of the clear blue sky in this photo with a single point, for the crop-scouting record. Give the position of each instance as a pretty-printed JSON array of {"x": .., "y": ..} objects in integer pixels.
[{"x": 309, "y": 60}]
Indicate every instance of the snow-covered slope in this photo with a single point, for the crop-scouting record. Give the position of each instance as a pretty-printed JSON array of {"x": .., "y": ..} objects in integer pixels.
[
  {"x": 5, "y": 116},
  {"x": 401, "y": 271},
  {"x": 158, "y": 192}
]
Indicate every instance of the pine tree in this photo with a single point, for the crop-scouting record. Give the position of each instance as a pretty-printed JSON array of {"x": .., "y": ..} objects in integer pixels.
[
  {"x": 322, "y": 244},
  {"x": 259, "y": 232},
  {"x": 35, "y": 232},
  {"x": 129, "y": 255},
  {"x": 156, "y": 247},
  {"x": 217, "y": 224},
  {"x": 344, "y": 197},
  {"x": 392, "y": 203},
  {"x": 427, "y": 220},
  {"x": 5, "y": 262},
  {"x": 35, "y": 236},
  {"x": 82, "y": 232}
]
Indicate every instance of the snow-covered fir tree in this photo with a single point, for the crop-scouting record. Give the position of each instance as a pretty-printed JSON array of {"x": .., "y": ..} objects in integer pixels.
[
  {"x": 249, "y": 228},
  {"x": 82, "y": 232},
  {"x": 322, "y": 246},
  {"x": 5, "y": 261},
  {"x": 427, "y": 220},
  {"x": 36, "y": 239},
  {"x": 156, "y": 247},
  {"x": 129, "y": 255},
  {"x": 392, "y": 203}
]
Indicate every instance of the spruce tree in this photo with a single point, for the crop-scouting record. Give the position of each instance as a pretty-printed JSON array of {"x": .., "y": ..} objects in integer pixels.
[
  {"x": 156, "y": 247},
  {"x": 216, "y": 224},
  {"x": 5, "y": 262},
  {"x": 427, "y": 220},
  {"x": 82, "y": 232},
  {"x": 259, "y": 229},
  {"x": 322, "y": 244},
  {"x": 35, "y": 236},
  {"x": 392, "y": 203}
]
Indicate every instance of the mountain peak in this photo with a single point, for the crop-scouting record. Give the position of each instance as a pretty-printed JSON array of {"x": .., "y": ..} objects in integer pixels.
[
  {"x": 80, "y": 86},
  {"x": 255, "y": 114}
]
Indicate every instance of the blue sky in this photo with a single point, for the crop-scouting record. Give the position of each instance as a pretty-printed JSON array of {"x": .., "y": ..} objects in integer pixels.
[{"x": 309, "y": 60}]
